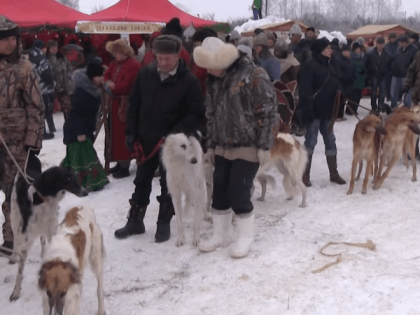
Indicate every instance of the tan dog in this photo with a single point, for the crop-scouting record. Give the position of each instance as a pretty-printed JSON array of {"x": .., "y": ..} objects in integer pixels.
[
  {"x": 396, "y": 127},
  {"x": 409, "y": 149},
  {"x": 366, "y": 142},
  {"x": 290, "y": 158},
  {"x": 78, "y": 241}
]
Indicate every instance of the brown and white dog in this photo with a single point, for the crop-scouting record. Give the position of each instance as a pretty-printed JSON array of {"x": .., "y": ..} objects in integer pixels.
[
  {"x": 366, "y": 143},
  {"x": 290, "y": 158},
  {"x": 78, "y": 240},
  {"x": 397, "y": 126}
]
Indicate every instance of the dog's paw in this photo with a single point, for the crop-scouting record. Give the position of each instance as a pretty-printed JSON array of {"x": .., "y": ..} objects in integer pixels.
[
  {"x": 364, "y": 191},
  {"x": 261, "y": 199},
  {"x": 195, "y": 242},
  {"x": 289, "y": 198},
  {"x": 349, "y": 192},
  {"x": 180, "y": 241},
  {"x": 15, "y": 295},
  {"x": 303, "y": 205}
]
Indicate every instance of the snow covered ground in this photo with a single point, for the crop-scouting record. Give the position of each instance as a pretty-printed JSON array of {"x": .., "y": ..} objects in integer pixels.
[{"x": 142, "y": 277}]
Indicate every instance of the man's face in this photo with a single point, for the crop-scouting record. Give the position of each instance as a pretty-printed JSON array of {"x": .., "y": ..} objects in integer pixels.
[
  {"x": 411, "y": 40},
  {"x": 310, "y": 35},
  {"x": 346, "y": 53},
  {"x": 53, "y": 50},
  {"x": 392, "y": 40},
  {"x": 119, "y": 57},
  {"x": 167, "y": 62},
  {"x": 380, "y": 47},
  {"x": 327, "y": 52},
  {"x": 258, "y": 49},
  {"x": 8, "y": 45},
  {"x": 295, "y": 38},
  {"x": 216, "y": 73},
  {"x": 402, "y": 44},
  {"x": 270, "y": 43},
  {"x": 44, "y": 50}
]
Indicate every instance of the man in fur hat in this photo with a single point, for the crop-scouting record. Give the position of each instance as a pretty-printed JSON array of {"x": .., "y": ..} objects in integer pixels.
[
  {"x": 265, "y": 58},
  {"x": 165, "y": 98},
  {"x": 21, "y": 115},
  {"x": 298, "y": 45},
  {"x": 119, "y": 79},
  {"x": 241, "y": 110}
]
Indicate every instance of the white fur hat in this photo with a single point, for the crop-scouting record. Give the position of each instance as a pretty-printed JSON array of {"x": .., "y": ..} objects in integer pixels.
[{"x": 214, "y": 54}]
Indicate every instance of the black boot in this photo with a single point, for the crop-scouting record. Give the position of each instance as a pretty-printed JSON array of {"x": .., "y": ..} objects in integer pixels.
[
  {"x": 135, "y": 224},
  {"x": 332, "y": 167},
  {"x": 50, "y": 121},
  {"x": 8, "y": 245},
  {"x": 166, "y": 212},
  {"x": 115, "y": 169},
  {"x": 121, "y": 173},
  {"x": 305, "y": 177}
]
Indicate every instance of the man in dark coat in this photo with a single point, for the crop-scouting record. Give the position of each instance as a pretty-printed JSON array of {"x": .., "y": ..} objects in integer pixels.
[
  {"x": 318, "y": 86},
  {"x": 378, "y": 67},
  {"x": 391, "y": 48},
  {"x": 399, "y": 68},
  {"x": 166, "y": 98},
  {"x": 346, "y": 75}
]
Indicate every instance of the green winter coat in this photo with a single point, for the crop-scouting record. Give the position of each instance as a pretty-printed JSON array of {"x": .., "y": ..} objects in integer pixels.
[
  {"x": 412, "y": 80},
  {"x": 257, "y": 4},
  {"x": 359, "y": 64}
]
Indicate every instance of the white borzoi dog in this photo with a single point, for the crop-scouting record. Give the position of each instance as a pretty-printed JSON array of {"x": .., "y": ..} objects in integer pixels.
[
  {"x": 77, "y": 242},
  {"x": 290, "y": 158},
  {"x": 34, "y": 210},
  {"x": 182, "y": 158}
]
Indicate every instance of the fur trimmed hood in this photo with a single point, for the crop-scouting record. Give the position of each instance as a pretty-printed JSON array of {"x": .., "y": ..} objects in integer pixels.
[
  {"x": 214, "y": 54},
  {"x": 120, "y": 46}
]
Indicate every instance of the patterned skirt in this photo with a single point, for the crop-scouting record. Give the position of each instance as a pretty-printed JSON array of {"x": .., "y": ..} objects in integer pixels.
[{"x": 83, "y": 162}]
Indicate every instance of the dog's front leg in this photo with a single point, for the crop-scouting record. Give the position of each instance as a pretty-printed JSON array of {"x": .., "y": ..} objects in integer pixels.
[
  {"x": 177, "y": 201},
  {"x": 71, "y": 305},
  {"x": 43, "y": 245},
  {"x": 199, "y": 210},
  {"x": 19, "y": 278},
  {"x": 45, "y": 304}
]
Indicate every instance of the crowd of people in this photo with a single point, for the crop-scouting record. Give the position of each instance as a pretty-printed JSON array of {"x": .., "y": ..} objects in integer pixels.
[{"x": 221, "y": 85}]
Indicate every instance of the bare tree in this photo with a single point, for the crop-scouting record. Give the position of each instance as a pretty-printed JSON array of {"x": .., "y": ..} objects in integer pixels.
[
  {"x": 208, "y": 16},
  {"x": 182, "y": 7},
  {"x": 97, "y": 8},
  {"x": 70, "y": 3}
]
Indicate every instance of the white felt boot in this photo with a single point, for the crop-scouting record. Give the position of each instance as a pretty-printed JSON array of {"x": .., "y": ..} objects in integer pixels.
[
  {"x": 222, "y": 221},
  {"x": 245, "y": 229}
]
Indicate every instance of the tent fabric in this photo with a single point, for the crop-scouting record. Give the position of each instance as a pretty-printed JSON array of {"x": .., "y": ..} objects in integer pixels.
[
  {"x": 147, "y": 11},
  {"x": 376, "y": 29},
  {"x": 28, "y": 13}
]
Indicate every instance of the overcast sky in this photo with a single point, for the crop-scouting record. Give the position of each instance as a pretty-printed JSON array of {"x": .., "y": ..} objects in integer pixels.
[{"x": 223, "y": 9}]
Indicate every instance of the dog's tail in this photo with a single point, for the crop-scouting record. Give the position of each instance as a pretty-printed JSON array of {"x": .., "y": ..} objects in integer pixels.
[
  {"x": 303, "y": 158},
  {"x": 267, "y": 179}
]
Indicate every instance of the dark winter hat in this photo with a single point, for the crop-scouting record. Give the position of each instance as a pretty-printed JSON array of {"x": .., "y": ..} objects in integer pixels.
[
  {"x": 258, "y": 31},
  {"x": 94, "y": 69},
  {"x": 346, "y": 48},
  {"x": 173, "y": 27},
  {"x": 311, "y": 28},
  {"x": 319, "y": 45},
  {"x": 38, "y": 44},
  {"x": 52, "y": 43},
  {"x": 380, "y": 40},
  {"x": 392, "y": 35},
  {"x": 202, "y": 34},
  {"x": 167, "y": 44},
  {"x": 8, "y": 28},
  {"x": 355, "y": 46},
  {"x": 414, "y": 36},
  {"x": 402, "y": 38}
]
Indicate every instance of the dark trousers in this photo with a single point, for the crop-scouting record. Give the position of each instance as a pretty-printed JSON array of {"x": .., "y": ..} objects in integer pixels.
[
  {"x": 48, "y": 100},
  {"x": 377, "y": 83},
  {"x": 354, "y": 97},
  {"x": 143, "y": 182},
  {"x": 232, "y": 184}
]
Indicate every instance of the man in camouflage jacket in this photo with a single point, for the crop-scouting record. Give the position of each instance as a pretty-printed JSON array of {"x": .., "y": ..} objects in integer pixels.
[
  {"x": 21, "y": 114},
  {"x": 412, "y": 80},
  {"x": 241, "y": 112}
]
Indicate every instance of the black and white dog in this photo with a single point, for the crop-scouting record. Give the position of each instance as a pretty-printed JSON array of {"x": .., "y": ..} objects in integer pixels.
[{"x": 34, "y": 210}]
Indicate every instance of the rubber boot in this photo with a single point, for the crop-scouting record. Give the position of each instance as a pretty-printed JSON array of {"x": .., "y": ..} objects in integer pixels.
[
  {"x": 135, "y": 224},
  {"x": 166, "y": 212},
  {"x": 50, "y": 120},
  {"x": 332, "y": 167},
  {"x": 121, "y": 173},
  {"x": 115, "y": 168},
  {"x": 222, "y": 221},
  {"x": 245, "y": 229},
  {"x": 305, "y": 178}
]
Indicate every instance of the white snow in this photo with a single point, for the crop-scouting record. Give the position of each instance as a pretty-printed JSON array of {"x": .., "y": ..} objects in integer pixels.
[
  {"x": 331, "y": 35},
  {"x": 142, "y": 277},
  {"x": 253, "y": 24}
]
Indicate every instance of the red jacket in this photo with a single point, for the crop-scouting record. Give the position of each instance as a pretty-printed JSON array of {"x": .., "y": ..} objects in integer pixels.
[{"x": 122, "y": 73}]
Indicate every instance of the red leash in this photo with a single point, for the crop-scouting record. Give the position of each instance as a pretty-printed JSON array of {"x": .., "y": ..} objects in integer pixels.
[{"x": 139, "y": 152}]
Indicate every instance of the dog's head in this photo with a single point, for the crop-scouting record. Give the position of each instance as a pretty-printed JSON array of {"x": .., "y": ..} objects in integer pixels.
[
  {"x": 373, "y": 124},
  {"x": 55, "y": 181},
  {"x": 55, "y": 279},
  {"x": 180, "y": 146}
]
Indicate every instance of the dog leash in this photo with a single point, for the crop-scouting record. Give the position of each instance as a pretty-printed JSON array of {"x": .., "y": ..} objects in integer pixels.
[
  {"x": 27, "y": 178},
  {"x": 139, "y": 152},
  {"x": 11, "y": 258}
]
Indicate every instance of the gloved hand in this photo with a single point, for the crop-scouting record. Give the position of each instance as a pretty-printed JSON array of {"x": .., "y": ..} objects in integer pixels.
[
  {"x": 32, "y": 150},
  {"x": 81, "y": 138},
  {"x": 129, "y": 143},
  {"x": 263, "y": 156},
  {"x": 209, "y": 156}
]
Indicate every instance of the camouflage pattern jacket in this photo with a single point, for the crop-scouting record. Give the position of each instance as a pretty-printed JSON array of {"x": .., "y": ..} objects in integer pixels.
[
  {"x": 60, "y": 67},
  {"x": 21, "y": 107},
  {"x": 241, "y": 108},
  {"x": 412, "y": 80},
  {"x": 43, "y": 71}
]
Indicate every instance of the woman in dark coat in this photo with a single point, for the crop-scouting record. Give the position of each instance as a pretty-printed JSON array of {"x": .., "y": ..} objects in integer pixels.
[
  {"x": 318, "y": 85},
  {"x": 80, "y": 126}
]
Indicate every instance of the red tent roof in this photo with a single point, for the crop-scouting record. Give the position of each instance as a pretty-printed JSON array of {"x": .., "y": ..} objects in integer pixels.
[
  {"x": 27, "y": 13},
  {"x": 147, "y": 11}
]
